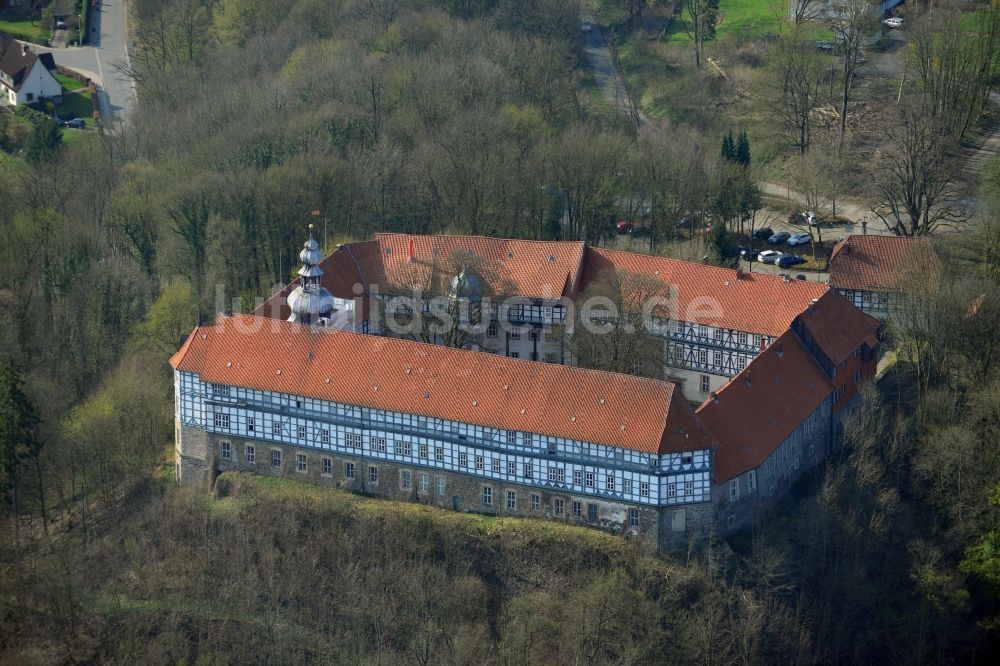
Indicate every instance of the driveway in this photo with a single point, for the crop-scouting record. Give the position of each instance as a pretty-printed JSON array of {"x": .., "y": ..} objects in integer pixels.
[{"x": 97, "y": 60}]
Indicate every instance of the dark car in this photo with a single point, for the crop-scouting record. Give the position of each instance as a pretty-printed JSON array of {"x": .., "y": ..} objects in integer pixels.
[
  {"x": 779, "y": 238},
  {"x": 639, "y": 230},
  {"x": 76, "y": 123},
  {"x": 790, "y": 260},
  {"x": 763, "y": 234}
]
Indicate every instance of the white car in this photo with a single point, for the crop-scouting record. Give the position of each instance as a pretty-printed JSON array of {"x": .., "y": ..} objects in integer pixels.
[
  {"x": 894, "y": 22},
  {"x": 800, "y": 239},
  {"x": 586, "y": 27},
  {"x": 769, "y": 256}
]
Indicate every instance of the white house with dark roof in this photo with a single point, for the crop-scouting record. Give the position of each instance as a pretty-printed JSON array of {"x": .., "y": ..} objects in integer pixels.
[{"x": 25, "y": 76}]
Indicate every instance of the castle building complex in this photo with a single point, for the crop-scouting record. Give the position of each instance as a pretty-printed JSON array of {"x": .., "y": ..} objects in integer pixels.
[{"x": 759, "y": 373}]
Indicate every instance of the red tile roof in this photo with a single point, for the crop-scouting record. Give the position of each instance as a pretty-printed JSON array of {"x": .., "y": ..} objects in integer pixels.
[
  {"x": 876, "y": 263},
  {"x": 760, "y": 407},
  {"x": 535, "y": 269},
  {"x": 839, "y": 328},
  {"x": 756, "y": 303},
  {"x": 472, "y": 387}
]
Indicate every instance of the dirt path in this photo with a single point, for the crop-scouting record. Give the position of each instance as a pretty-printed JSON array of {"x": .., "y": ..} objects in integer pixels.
[{"x": 609, "y": 79}]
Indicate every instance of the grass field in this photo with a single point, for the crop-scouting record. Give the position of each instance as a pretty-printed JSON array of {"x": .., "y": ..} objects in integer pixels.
[
  {"x": 68, "y": 82},
  {"x": 76, "y": 104},
  {"x": 747, "y": 18},
  {"x": 25, "y": 29}
]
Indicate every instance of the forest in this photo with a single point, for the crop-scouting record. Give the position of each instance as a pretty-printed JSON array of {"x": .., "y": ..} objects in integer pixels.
[{"x": 482, "y": 117}]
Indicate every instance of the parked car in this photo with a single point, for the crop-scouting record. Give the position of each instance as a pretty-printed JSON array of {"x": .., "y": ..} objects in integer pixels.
[
  {"x": 825, "y": 46},
  {"x": 639, "y": 230},
  {"x": 769, "y": 256},
  {"x": 800, "y": 277},
  {"x": 894, "y": 22},
  {"x": 624, "y": 226},
  {"x": 800, "y": 239},
  {"x": 60, "y": 25},
  {"x": 779, "y": 238},
  {"x": 691, "y": 219},
  {"x": 586, "y": 27},
  {"x": 789, "y": 260},
  {"x": 763, "y": 234},
  {"x": 75, "y": 123}
]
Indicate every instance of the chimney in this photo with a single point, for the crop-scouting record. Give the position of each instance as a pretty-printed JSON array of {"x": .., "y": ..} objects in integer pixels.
[
  {"x": 786, "y": 278},
  {"x": 409, "y": 251},
  {"x": 714, "y": 396},
  {"x": 704, "y": 259},
  {"x": 739, "y": 273},
  {"x": 24, "y": 49}
]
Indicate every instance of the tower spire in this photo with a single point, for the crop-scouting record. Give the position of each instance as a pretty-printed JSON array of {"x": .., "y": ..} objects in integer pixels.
[{"x": 310, "y": 301}]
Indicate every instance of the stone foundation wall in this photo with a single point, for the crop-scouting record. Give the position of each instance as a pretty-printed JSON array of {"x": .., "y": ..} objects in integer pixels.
[{"x": 462, "y": 492}]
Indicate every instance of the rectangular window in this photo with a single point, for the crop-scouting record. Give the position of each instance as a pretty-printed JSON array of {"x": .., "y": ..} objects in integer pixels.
[
  {"x": 251, "y": 454},
  {"x": 857, "y": 376},
  {"x": 480, "y": 464},
  {"x": 222, "y": 421},
  {"x": 731, "y": 521},
  {"x": 515, "y": 354},
  {"x": 324, "y": 436},
  {"x": 226, "y": 450},
  {"x": 439, "y": 485},
  {"x": 491, "y": 330},
  {"x": 609, "y": 483},
  {"x": 276, "y": 428},
  {"x": 275, "y": 458},
  {"x": 487, "y": 496},
  {"x": 633, "y": 518},
  {"x": 558, "y": 506},
  {"x": 577, "y": 509},
  {"x": 703, "y": 356},
  {"x": 220, "y": 389},
  {"x": 627, "y": 486},
  {"x": 588, "y": 479},
  {"x": 373, "y": 474},
  {"x": 438, "y": 454},
  {"x": 404, "y": 448},
  {"x": 511, "y": 499},
  {"x": 404, "y": 479},
  {"x": 378, "y": 444},
  {"x": 511, "y": 468},
  {"x": 592, "y": 513},
  {"x": 550, "y": 357},
  {"x": 734, "y": 490},
  {"x": 717, "y": 334},
  {"x": 756, "y": 341},
  {"x": 515, "y": 335},
  {"x": 536, "y": 502},
  {"x": 689, "y": 487},
  {"x": 300, "y": 462},
  {"x": 644, "y": 488},
  {"x": 301, "y": 432},
  {"x": 751, "y": 480},
  {"x": 528, "y": 470},
  {"x": 511, "y": 438},
  {"x": 353, "y": 440},
  {"x": 423, "y": 483},
  {"x": 717, "y": 358},
  {"x": 251, "y": 423},
  {"x": 463, "y": 459},
  {"x": 528, "y": 438},
  {"x": 741, "y": 337},
  {"x": 671, "y": 490},
  {"x": 577, "y": 477},
  {"x": 327, "y": 467},
  {"x": 422, "y": 449},
  {"x": 706, "y": 383},
  {"x": 533, "y": 335},
  {"x": 349, "y": 470}
]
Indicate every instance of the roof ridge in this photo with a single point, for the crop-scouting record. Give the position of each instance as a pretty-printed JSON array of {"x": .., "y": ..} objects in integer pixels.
[{"x": 536, "y": 241}]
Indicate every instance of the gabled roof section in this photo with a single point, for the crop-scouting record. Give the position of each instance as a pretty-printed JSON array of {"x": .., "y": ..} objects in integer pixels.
[
  {"x": 535, "y": 269},
  {"x": 755, "y": 303},
  {"x": 837, "y": 327},
  {"x": 881, "y": 263},
  {"x": 472, "y": 387},
  {"x": 16, "y": 62},
  {"x": 760, "y": 407}
]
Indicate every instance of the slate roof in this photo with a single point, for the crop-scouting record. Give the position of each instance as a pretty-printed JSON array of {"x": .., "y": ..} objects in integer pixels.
[
  {"x": 473, "y": 387},
  {"x": 16, "y": 63},
  {"x": 878, "y": 263},
  {"x": 760, "y": 407}
]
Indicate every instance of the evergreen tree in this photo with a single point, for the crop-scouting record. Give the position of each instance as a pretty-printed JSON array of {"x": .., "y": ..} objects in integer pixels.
[
  {"x": 18, "y": 437},
  {"x": 43, "y": 142},
  {"x": 742, "y": 154},
  {"x": 728, "y": 149}
]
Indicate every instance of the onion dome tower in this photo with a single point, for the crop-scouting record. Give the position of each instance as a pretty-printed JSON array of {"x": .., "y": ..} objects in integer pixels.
[{"x": 310, "y": 301}]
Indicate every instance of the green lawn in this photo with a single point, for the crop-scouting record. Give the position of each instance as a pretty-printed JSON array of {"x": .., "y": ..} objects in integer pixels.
[
  {"x": 30, "y": 31},
  {"x": 76, "y": 104},
  {"x": 747, "y": 18},
  {"x": 68, "y": 82}
]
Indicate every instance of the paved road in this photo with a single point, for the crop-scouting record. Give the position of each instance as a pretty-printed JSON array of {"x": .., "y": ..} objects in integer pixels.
[
  {"x": 609, "y": 79},
  {"x": 97, "y": 60}
]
